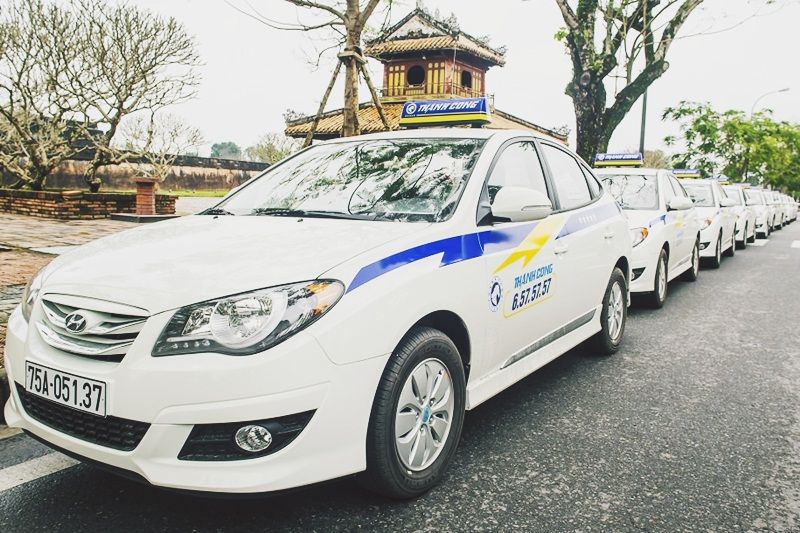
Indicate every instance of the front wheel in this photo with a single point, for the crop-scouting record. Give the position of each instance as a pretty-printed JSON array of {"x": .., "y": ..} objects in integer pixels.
[
  {"x": 730, "y": 252},
  {"x": 657, "y": 298},
  {"x": 716, "y": 261},
  {"x": 742, "y": 245},
  {"x": 417, "y": 416},
  {"x": 694, "y": 271},
  {"x": 613, "y": 316}
]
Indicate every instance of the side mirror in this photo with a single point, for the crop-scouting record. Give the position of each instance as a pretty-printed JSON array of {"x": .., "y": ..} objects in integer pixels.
[
  {"x": 521, "y": 204},
  {"x": 680, "y": 203},
  {"x": 726, "y": 202}
]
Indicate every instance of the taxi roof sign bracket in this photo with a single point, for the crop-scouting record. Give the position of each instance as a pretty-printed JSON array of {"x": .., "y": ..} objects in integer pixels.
[
  {"x": 619, "y": 160},
  {"x": 450, "y": 112}
]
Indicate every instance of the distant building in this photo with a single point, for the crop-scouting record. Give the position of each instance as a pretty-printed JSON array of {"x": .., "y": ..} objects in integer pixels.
[{"x": 423, "y": 58}]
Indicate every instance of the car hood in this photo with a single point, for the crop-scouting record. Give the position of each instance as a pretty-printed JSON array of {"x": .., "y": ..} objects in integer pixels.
[{"x": 166, "y": 265}]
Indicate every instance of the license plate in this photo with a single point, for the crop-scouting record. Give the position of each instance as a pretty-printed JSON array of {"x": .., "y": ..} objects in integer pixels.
[{"x": 84, "y": 394}]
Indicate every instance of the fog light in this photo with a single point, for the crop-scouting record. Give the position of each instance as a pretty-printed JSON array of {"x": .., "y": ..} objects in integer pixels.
[
  {"x": 253, "y": 438},
  {"x": 704, "y": 245}
]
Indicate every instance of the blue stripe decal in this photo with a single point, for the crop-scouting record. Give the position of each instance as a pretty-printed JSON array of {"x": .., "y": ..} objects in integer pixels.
[
  {"x": 454, "y": 250},
  {"x": 474, "y": 245},
  {"x": 584, "y": 219}
]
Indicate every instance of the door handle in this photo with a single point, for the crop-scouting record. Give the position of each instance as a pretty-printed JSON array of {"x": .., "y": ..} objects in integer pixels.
[
  {"x": 560, "y": 248},
  {"x": 609, "y": 234}
]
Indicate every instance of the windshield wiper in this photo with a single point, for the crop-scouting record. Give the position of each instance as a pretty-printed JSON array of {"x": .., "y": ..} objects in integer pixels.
[
  {"x": 217, "y": 211},
  {"x": 282, "y": 212}
]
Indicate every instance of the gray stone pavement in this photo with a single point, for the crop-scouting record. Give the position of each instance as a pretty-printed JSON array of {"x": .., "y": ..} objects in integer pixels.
[
  {"x": 57, "y": 236},
  {"x": 20, "y": 231}
]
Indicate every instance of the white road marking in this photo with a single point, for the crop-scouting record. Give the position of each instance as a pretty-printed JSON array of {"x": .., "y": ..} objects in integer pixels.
[
  {"x": 795, "y": 244},
  {"x": 45, "y": 465},
  {"x": 6, "y": 432},
  {"x": 760, "y": 242}
]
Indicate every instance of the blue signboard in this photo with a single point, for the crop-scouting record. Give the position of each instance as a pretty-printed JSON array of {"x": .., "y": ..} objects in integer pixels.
[
  {"x": 452, "y": 111},
  {"x": 619, "y": 160}
]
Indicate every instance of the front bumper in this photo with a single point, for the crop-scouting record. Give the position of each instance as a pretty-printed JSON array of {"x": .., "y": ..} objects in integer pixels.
[
  {"x": 172, "y": 394},
  {"x": 644, "y": 259}
]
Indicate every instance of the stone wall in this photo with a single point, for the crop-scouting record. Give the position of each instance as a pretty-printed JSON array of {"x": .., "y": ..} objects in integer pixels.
[
  {"x": 84, "y": 206},
  {"x": 188, "y": 173}
]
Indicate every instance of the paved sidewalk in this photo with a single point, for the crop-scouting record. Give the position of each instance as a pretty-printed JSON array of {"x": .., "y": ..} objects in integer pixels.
[{"x": 20, "y": 231}]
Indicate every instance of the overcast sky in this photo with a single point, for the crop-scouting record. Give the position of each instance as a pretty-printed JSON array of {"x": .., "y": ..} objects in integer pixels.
[{"x": 252, "y": 73}]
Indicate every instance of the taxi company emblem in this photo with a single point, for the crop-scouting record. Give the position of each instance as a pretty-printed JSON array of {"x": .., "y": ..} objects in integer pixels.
[
  {"x": 75, "y": 322},
  {"x": 495, "y": 293}
]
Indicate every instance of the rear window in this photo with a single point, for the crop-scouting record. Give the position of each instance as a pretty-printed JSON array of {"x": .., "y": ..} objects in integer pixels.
[
  {"x": 633, "y": 191},
  {"x": 702, "y": 194}
]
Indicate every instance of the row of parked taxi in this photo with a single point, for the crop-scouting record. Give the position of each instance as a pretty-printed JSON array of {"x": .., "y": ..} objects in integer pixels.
[
  {"x": 677, "y": 219},
  {"x": 339, "y": 313}
]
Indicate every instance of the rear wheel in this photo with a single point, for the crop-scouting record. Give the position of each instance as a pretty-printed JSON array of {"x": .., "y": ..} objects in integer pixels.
[
  {"x": 657, "y": 298},
  {"x": 417, "y": 416},
  {"x": 694, "y": 270},
  {"x": 613, "y": 315}
]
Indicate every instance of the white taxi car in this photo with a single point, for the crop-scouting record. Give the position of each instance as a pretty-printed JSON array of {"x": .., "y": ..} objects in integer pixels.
[
  {"x": 664, "y": 226},
  {"x": 745, "y": 215},
  {"x": 336, "y": 315},
  {"x": 755, "y": 198},
  {"x": 774, "y": 199},
  {"x": 717, "y": 219}
]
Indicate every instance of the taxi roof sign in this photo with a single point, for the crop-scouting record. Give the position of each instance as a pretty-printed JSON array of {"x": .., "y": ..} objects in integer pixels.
[
  {"x": 619, "y": 160},
  {"x": 687, "y": 172},
  {"x": 452, "y": 111}
]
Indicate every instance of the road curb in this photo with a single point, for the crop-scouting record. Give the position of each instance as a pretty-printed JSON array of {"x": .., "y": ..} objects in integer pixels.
[{"x": 4, "y": 394}]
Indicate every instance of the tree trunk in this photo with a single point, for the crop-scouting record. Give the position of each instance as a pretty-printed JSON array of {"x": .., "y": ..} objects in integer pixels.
[
  {"x": 589, "y": 100},
  {"x": 350, "y": 125},
  {"x": 352, "y": 47}
]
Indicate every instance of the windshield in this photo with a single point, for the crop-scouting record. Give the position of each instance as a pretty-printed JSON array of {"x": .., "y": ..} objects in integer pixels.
[
  {"x": 733, "y": 194},
  {"x": 398, "y": 179},
  {"x": 753, "y": 197},
  {"x": 701, "y": 194},
  {"x": 633, "y": 191}
]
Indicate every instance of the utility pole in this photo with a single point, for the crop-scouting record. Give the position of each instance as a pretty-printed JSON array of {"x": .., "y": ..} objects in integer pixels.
[{"x": 644, "y": 122}]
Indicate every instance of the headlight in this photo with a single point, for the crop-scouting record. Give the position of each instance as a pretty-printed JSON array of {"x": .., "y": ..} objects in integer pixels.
[
  {"x": 247, "y": 323},
  {"x": 31, "y": 292},
  {"x": 707, "y": 222},
  {"x": 638, "y": 235}
]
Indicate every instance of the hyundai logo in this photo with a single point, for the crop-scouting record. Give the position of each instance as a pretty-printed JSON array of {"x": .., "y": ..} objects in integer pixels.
[{"x": 75, "y": 322}]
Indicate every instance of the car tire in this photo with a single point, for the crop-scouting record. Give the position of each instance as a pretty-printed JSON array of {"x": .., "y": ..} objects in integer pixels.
[
  {"x": 422, "y": 351},
  {"x": 730, "y": 252},
  {"x": 694, "y": 270},
  {"x": 752, "y": 239},
  {"x": 716, "y": 261},
  {"x": 607, "y": 341},
  {"x": 657, "y": 298},
  {"x": 743, "y": 244},
  {"x": 5, "y": 394}
]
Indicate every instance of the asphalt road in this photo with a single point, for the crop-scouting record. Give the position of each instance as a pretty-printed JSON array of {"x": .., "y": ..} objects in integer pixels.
[{"x": 693, "y": 426}]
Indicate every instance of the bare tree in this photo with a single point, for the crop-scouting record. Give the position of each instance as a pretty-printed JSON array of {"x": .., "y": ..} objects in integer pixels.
[
  {"x": 67, "y": 67},
  {"x": 157, "y": 141},
  {"x": 347, "y": 20},
  {"x": 39, "y": 124},
  {"x": 271, "y": 148},
  {"x": 598, "y": 35},
  {"x": 133, "y": 60}
]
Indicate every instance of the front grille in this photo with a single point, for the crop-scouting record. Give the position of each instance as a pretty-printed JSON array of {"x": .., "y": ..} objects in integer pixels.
[
  {"x": 216, "y": 442},
  {"x": 110, "y": 431},
  {"x": 105, "y": 336}
]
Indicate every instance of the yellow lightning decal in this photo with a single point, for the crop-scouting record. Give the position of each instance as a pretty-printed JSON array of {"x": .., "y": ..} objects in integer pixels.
[{"x": 533, "y": 243}]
